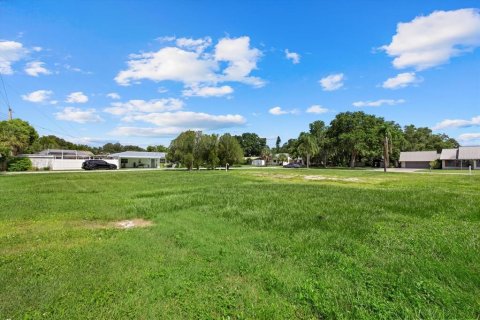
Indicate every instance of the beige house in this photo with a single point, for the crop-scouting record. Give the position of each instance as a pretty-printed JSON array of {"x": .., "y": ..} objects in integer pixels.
[{"x": 418, "y": 159}]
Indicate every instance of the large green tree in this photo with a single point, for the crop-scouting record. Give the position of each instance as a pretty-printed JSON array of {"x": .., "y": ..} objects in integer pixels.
[
  {"x": 353, "y": 135},
  {"x": 229, "y": 150},
  {"x": 182, "y": 148},
  {"x": 17, "y": 136},
  {"x": 318, "y": 130},
  {"x": 251, "y": 144},
  {"x": 422, "y": 138}
]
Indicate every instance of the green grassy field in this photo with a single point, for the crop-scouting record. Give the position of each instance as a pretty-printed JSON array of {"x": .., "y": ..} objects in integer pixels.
[{"x": 265, "y": 244}]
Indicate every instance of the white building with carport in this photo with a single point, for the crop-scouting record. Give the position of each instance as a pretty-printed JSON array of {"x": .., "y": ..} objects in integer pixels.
[{"x": 139, "y": 159}]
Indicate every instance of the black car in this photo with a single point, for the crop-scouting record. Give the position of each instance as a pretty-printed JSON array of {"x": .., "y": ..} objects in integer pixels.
[
  {"x": 98, "y": 164},
  {"x": 292, "y": 165}
]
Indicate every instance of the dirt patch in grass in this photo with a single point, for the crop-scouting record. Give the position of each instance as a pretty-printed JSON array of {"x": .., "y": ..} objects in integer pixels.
[
  {"x": 320, "y": 178},
  {"x": 122, "y": 224},
  {"x": 135, "y": 223}
]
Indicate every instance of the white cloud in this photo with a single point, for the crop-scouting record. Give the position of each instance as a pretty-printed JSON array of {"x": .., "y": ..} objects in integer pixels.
[
  {"x": 39, "y": 96},
  {"x": 332, "y": 82},
  {"x": 37, "y": 49},
  {"x": 113, "y": 95},
  {"x": 162, "y": 90},
  {"x": 187, "y": 63},
  {"x": 36, "y": 68},
  {"x": 136, "y": 106},
  {"x": 318, "y": 109},
  {"x": 197, "y": 45},
  {"x": 277, "y": 111},
  {"x": 428, "y": 41},
  {"x": 146, "y": 132},
  {"x": 189, "y": 119},
  {"x": 241, "y": 60},
  {"x": 295, "y": 57},
  {"x": 76, "y": 69},
  {"x": 378, "y": 103},
  {"x": 401, "y": 80},
  {"x": 466, "y": 137},
  {"x": 77, "y": 97},
  {"x": 457, "y": 123},
  {"x": 196, "y": 91},
  {"x": 10, "y": 52},
  {"x": 78, "y": 115}
]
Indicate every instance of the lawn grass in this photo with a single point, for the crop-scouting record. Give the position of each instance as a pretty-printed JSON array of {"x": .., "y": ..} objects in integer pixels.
[{"x": 243, "y": 244}]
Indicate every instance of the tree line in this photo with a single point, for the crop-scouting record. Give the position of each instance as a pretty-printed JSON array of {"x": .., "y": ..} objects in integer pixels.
[{"x": 350, "y": 139}]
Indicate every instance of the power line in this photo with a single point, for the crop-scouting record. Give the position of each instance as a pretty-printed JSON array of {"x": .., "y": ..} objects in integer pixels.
[
  {"x": 65, "y": 132},
  {"x": 6, "y": 96}
]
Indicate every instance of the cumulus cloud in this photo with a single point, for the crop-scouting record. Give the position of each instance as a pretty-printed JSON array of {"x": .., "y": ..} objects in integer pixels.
[
  {"x": 188, "y": 63},
  {"x": 468, "y": 137},
  {"x": 196, "y": 91},
  {"x": 77, "y": 97},
  {"x": 198, "y": 45},
  {"x": 10, "y": 52},
  {"x": 113, "y": 95},
  {"x": 428, "y": 41},
  {"x": 332, "y": 82},
  {"x": 317, "y": 109},
  {"x": 136, "y": 106},
  {"x": 78, "y": 115},
  {"x": 295, "y": 57},
  {"x": 401, "y": 80},
  {"x": 277, "y": 111},
  {"x": 457, "y": 123},
  {"x": 189, "y": 119},
  {"x": 146, "y": 132},
  {"x": 36, "y": 68},
  {"x": 39, "y": 96},
  {"x": 378, "y": 103}
]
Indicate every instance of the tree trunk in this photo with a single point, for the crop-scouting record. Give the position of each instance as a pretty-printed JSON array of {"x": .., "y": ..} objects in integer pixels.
[
  {"x": 386, "y": 160},
  {"x": 352, "y": 159},
  {"x": 308, "y": 160}
]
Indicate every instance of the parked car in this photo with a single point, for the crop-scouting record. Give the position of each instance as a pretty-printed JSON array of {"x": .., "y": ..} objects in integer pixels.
[
  {"x": 292, "y": 165},
  {"x": 98, "y": 164}
]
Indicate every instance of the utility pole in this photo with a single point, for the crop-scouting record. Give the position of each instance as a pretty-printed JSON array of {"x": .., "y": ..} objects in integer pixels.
[{"x": 10, "y": 113}]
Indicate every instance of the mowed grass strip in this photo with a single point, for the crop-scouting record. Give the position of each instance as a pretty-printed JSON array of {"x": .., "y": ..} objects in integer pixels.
[{"x": 242, "y": 244}]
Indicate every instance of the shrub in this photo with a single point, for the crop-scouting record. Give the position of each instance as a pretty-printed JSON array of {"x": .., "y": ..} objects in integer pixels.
[
  {"x": 19, "y": 164},
  {"x": 435, "y": 164}
]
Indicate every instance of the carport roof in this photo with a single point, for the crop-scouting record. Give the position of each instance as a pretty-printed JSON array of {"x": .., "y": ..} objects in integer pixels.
[
  {"x": 139, "y": 155},
  {"x": 419, "y": 156},
  {"x": 468, "y": 153},
  {"x": 449, "y": 154}
]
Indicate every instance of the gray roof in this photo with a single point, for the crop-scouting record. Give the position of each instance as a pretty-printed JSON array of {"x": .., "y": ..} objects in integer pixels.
[
  {"x": 468, "y": 153},
  {"x": 449, "y": 154},
  {"x": 139, "y": 154},
  {"x": 421, "y": 156},
  {"x": 48, "y": 152}
]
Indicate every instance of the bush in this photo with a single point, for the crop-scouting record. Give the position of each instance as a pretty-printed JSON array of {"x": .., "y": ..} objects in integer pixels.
[
  {"x": 435, "y": 164},
  {"x": 19, "y": 164}
]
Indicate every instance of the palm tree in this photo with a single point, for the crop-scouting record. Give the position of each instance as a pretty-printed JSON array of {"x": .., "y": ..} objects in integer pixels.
[
  {"x": 307, "y": 146},
  {"x": 266, "y": 154},
  {"x": 386, "y": 134}
]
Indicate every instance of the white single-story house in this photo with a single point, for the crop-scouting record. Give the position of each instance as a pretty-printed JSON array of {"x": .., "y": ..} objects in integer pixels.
[
  {"x": 418, "y": 159},
  {"x": 449, "y": 158},
  {"x": 276, "y": 159},
  {"x": 57, "y": 159},
  {"x": 461, "y": 158},
  {"x": 61, "y": 159},
  {"x": 469, "y": 156},
  {"x": 139, "y": 159}
]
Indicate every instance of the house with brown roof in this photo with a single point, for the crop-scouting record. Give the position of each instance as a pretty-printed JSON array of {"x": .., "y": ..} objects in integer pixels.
[{"x": 418, "y": 159}]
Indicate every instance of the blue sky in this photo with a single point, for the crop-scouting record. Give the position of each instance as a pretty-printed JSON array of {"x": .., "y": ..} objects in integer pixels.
[{"x": 140, "y": 72}]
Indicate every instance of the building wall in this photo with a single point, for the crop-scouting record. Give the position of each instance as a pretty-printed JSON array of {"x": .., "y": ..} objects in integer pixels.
[
  {"x": 41, "y": 163},
  {"x": 138, "y": 163},
  {"x": 74, "y": 164}
]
